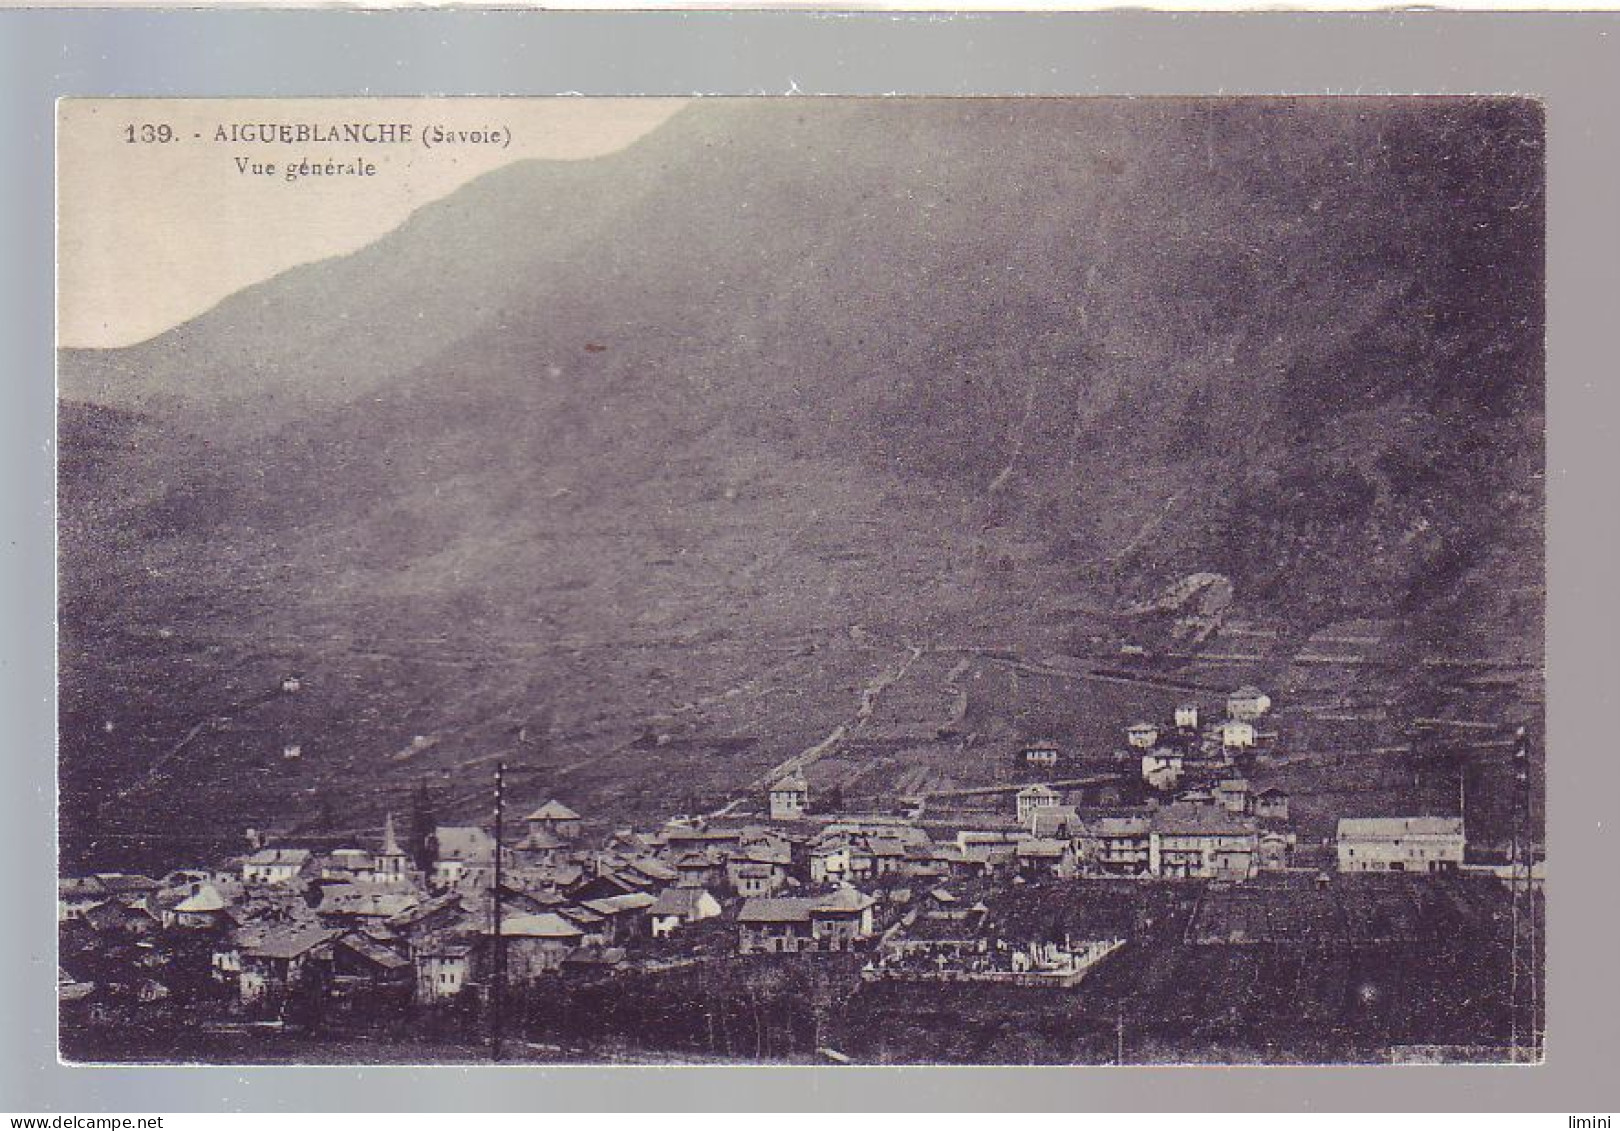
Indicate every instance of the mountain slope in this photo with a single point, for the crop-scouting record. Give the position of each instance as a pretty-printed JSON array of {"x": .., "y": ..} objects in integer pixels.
[{"x": 592, "y": 442}]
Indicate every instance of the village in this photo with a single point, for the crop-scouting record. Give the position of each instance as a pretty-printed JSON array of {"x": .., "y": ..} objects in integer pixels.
[{"x": 1039, "y": 893}]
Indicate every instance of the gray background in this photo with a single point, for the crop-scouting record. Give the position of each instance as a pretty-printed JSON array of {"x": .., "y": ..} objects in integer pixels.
[{"x": 1573, "y": 62}]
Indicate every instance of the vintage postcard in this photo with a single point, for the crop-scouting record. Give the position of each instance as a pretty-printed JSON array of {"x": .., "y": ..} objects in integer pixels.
[{"x": 801, "y": 580}]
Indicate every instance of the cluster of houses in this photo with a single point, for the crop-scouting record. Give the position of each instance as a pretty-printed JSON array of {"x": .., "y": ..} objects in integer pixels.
[
  {"x": 418, "y": 921},
  {"x": 423, "y": 920},
  {"x": 1188, "y": 748},
  {"x": 1202, "y": 818}
]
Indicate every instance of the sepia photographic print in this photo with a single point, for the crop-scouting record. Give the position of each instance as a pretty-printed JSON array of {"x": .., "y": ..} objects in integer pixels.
[{"x": 801, "y": 581}]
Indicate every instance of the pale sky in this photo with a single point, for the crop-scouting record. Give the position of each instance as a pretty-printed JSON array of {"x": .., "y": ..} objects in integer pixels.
[{"x": 150, "y": 234}]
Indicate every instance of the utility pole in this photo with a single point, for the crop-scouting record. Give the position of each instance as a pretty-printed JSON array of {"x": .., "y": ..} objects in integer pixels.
[
  {"x": 1522, "y": 893},
  {"x": 497, "y": 995}
]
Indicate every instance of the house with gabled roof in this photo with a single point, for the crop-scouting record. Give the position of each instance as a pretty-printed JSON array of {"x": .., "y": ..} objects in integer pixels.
[
  {"x": 349, "y": 905},
  {"x": 556, "y": 819},
  {"x": 274, "y": 866},
  {"x": 443, "y": 965},
  {"x": 203, "y": 907},
  {"x": 1247, "y": 703},
  {"x": 630, "y": 842},
  {"x": 773, "y": 925},
  {"x": 629, "y": 877},
  {"x": 127, "y": 915},
  {"x": 1233, "y": 794},
  {"x": 283, "y": 957},
  {"x": 124, "y": 883},
  {"x": 1276, "y": 850},
  {"x": 1400, "y": 844},
  {"x": 1059, "y": 821},
  {"x": 1045, "y": 857},
  {"x": 1202, "y": 841},
  {"x": 603, "y": 885},
  {"x": 680, "y": 838},
  {"x": 517, "y": 899},
  {"x": 72, "y": 994},
  {"x": 592, "y": 925},
  {"x": 1162, "y": 767},
  {"x": 1033, "y": 797},
  {"x": 463, "y": 854},
  {"x": 752, "y": 878},
  {"x": 986, "y": 860},
  {"x": 76, "y": 895},
  {"x": 361, "y": 963},
  {"x": 760, "y": 868},
  {"x": 888, "y": 855},
  {"x": 552, "y": 877},
  {"x": 1114, "y": 844},
  {"x": 677, "y": 907},
  {"x": 840, "y": 920},
  {"x": 428, "y": 916},
  {"x": 349, "y": 865},
  {"x": 789, "y": 796},
  {"x": 922, "y": 862},
  {"x": 839, "y": 862},
  {"x": 1271, "y": 804},
  {"x": 1039, "y": 754},
  {"x": 1236, "y": 734},
  {"x": 702, "y": 869},
  {"x": 1142, "y": 736},
  {"x": 656, "y": 874},
  {"x": 537, "y": 944},
  {"x": 623, "y": 916},
  {"x": 540, "y": 847},
  {"x": 794, "y": 924}
]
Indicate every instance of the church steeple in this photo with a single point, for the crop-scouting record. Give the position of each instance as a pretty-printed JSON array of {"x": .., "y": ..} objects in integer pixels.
[{"x": 391, "y": 860}]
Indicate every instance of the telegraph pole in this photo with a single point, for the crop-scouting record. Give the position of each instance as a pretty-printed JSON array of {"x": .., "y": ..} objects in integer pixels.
[
  {"x": 1521, "y": 882},
  {"x": 1513, "y": 942},
  {"x": 497, "y": 997}
]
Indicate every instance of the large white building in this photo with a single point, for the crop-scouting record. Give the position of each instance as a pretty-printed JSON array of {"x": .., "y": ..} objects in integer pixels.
[{"x": 1400, "y": 844}]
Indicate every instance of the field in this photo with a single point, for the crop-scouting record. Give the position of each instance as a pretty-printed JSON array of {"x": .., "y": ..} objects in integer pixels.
[{"x": 1343, "y": 994}]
